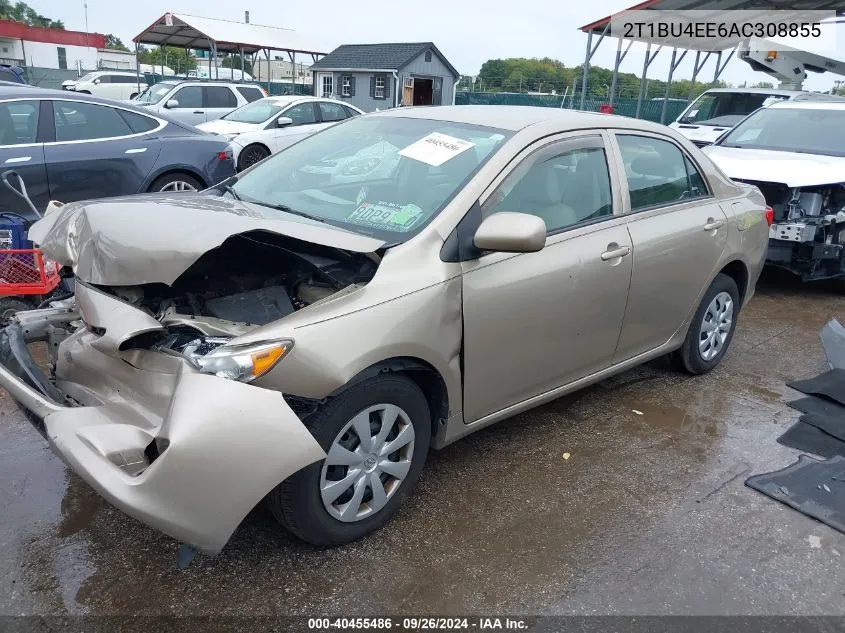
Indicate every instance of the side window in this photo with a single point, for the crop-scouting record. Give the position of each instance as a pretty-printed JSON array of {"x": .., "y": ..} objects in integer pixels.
[
  {"x": 658, "y": 172},
  {"x": 565, "y": 184},
  {"x": 189, "y": 97},
  {"x": 220, "y": 97},
  {"x": 331, "y": 112},
  {"x": 250, "y": 94},
  {"x": 18, "y": 122},
  {"x": 697, "y": 185},
  {"x": 138, "y": 122},
  {"x": 76, "y": 121},
  {"x": 106, "y": 79},
  {"x": 301, "y": 114}
]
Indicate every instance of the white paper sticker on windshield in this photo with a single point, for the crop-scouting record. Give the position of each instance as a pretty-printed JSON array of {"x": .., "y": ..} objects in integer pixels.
[{"x": 435, "y": 149}]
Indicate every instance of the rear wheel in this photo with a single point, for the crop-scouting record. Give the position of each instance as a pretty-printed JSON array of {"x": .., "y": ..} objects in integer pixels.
[
  {"x": 712, "y": 327},
  {"x": 177, "y": 182},
  {"x": 376, "y": 436},
  {"x": 252, "y": 154}
]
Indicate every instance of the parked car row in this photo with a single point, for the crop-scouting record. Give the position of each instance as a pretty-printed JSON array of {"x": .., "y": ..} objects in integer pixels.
[{"x": 69, "y": 146}]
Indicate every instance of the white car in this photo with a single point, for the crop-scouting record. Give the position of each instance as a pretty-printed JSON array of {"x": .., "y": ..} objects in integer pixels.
[
  {"x": 717, "y": 110},
  {"x": 269, "y": 125},
  {"x": 196, "y": 102},
  {"x": 122, "y": 86},
  {"x": 794, "y": 152}
]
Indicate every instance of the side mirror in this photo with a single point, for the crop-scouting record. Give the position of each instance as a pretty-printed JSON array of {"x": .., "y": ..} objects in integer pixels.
[
  {"x": 172, "y": 103},
  {"x": 284, "y": 121},
  {"x": 96, "y": 81},
  {"x": 508, "y": 232}
]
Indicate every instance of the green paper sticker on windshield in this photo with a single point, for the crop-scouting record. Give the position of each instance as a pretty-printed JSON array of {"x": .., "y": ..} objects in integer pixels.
[{"x": 386, "y": 215}]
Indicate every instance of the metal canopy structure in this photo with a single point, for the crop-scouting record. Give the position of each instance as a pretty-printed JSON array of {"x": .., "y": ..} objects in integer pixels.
[
  {"x": 787, "y": 9},
  {"x": 214, "y": 35}
]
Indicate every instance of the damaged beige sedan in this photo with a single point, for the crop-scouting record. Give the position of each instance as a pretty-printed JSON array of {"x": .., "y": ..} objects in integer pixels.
[{"x": 305, "y": 332}]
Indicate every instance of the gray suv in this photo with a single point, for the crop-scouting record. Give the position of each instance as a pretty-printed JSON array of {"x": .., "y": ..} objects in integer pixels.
[{"x": 197, "y": 101}]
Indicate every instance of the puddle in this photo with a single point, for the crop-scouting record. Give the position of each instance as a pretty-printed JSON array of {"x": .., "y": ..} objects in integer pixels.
[{"x": 671, "y": 418}]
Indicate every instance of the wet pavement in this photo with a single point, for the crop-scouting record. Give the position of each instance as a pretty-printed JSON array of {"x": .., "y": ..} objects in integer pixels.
[{"x": 649, "y": 515}]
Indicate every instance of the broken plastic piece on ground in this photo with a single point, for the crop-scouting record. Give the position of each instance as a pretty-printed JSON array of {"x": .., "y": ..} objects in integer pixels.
[
  {"x": 566, "y": 455},
  {"x": 813, "y": 487},
  {"x": 833, "y": 342},
  {"x": 185, "y": 555}
]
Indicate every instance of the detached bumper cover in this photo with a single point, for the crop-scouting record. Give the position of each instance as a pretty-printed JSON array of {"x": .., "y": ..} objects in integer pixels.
[{"x": 222, "y": 446}]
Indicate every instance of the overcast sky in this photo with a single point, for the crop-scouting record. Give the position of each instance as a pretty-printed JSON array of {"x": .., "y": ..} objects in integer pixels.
[{"x": 468, "y": 32}]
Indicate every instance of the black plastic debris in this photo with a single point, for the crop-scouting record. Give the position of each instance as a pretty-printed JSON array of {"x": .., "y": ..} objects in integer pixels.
[
  {"x": 833, "y": 342},
  {"x": 813, "y": 487},
  {"x": 830, "y": 384},
  {"x": 816, "y": 434}
]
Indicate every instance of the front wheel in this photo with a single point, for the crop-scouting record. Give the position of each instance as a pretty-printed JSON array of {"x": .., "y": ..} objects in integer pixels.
[
  {"x": 252, "y": 154},
  {"x": 376, "y": 436},
  {"x": 712, "y": 327}
]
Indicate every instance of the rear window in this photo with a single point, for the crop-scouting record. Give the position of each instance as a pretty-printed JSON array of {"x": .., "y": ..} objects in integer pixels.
[
  {"x": 250, "y": 94},
  {"x": 138, "y": 122}
]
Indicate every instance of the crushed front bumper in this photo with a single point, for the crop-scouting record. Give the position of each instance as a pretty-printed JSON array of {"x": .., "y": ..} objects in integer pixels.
[
  {"x": 809, "y": 260},
  {"x": 187, "y": 453}
]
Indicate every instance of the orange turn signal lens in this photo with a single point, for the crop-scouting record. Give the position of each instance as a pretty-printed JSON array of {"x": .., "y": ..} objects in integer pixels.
[{"x": 264, "y": 360}]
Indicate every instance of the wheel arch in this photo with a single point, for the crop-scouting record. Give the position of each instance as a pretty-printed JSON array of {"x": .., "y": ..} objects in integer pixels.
[
  {"x": 421, "y": 373},
  {"x": 738, "y": 271},
  {"x": 171, "y": 169}
]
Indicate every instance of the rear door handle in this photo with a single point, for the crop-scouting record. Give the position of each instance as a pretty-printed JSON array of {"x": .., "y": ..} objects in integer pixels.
[
  {"x": 19, "y": 159},
  {"x": 136, "y": 150},
  {"x": 712, "y": 224},
  {"x": 199, "y": 112},
  {"x": 622, "y": 251}
]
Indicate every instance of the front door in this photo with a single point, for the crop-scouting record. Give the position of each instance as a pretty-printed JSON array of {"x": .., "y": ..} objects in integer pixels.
[
  {"x": 678, "y": 231},
  {"x": 537, "y": 321},
  {"x": 21, "y": 151}
]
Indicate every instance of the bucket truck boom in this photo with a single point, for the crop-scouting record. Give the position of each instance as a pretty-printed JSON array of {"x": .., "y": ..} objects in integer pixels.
[{"x": 788, "y": 65}]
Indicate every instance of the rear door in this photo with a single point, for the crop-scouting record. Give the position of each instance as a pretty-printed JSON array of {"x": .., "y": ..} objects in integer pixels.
[
  {"x": 99, "y": 151},
  {"x": 678, "y": 231},
  {"x": 22, "y": 150},
  {"x": 218, "y": 100}
]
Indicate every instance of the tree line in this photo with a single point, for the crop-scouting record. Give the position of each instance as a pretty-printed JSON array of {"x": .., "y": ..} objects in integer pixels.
[
  {"x": 546, "y": 75},
  {"x": 25, "y": 14}
]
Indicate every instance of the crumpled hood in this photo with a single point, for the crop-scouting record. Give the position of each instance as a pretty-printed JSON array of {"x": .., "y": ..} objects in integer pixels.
[
  {"x": 790, "y": 168},
  {"x": 154, "y": 238}
]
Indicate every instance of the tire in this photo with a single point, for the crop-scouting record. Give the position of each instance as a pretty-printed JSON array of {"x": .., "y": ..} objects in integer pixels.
[
  {"x": 175, "y": 182},
  {"x": 9, "y": 306},
  {"x": 252, "y": 154},
  {"x": 695, "y": 355},
  {"x": 297, "y": 503}
]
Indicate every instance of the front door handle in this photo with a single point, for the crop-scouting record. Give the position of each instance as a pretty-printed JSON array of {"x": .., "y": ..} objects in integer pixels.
[
  {"x": 19, "y": 159},
  {"x": 136, "y": 150},
  {"x": 616, "y": 253},
  {"x": 712, "y": 224},
  {"x": 199, "y": 112}
]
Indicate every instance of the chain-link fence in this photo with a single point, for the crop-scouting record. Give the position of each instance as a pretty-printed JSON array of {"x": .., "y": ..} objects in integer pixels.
[{"x": 650, "y": 109}]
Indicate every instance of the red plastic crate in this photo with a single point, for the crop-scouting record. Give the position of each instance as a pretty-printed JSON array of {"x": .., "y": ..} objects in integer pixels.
[{"x": 27, "y": 272}]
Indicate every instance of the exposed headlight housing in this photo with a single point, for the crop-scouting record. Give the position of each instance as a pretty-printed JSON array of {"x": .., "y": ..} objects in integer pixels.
[{"x": 243, "y": 363}]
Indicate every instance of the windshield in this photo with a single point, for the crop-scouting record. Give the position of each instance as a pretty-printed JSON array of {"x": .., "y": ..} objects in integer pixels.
[
  {"x": 255, "y": 112},
  {"x": 726, "y": 108},
  {"x": 802, "y": 130},
  {"x": 386, "y": 177},
  {"x": 154, "y": 93}
]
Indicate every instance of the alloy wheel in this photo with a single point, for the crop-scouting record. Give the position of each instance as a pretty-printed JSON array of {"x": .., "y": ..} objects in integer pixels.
[{"x": 178, "y": 185}]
